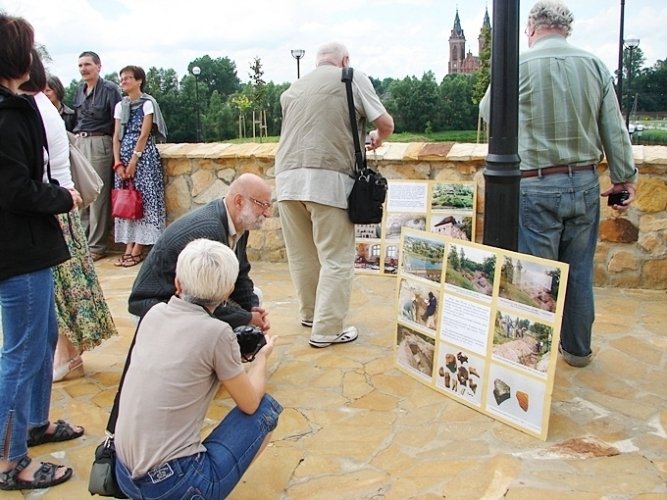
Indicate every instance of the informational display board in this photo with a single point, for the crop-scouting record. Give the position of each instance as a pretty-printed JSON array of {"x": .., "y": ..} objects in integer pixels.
[
  {"x": 480, "y": 325},
  {"x": 444, "y": 208}
]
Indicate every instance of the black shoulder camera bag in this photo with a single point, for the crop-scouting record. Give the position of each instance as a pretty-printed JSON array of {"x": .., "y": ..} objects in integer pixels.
[{"x": 364, "y": 205}]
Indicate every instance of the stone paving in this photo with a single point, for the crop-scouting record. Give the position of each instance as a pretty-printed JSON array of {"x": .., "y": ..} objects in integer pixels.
[{"x": 355, "y": 427}]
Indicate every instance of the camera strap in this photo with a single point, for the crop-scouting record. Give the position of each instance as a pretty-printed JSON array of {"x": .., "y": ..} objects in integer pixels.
[
  {"x": 113, "y": 416},
  {"x": 360, "y": 159}
]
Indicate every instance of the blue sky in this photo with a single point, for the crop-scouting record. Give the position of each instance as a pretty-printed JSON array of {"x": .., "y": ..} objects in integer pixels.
[{"x": 386, "y": 38}]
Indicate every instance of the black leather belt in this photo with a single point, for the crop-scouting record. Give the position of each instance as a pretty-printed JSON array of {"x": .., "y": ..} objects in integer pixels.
[
  {"x": 556, "y": 169},
  {"x": 90, "y": 134}
]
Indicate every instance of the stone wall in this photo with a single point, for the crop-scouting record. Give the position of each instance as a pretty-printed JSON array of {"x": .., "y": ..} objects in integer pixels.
[{"x": 632, "y": 250}]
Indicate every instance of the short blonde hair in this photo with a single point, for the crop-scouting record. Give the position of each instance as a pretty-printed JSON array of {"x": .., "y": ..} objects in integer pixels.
[
  {"x": 551, "y": 14},
  {"x": 207, "y": 271}
]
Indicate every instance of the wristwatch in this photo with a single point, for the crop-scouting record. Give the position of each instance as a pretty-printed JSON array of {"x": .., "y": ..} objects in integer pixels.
[{"x": 138, "y": 154}]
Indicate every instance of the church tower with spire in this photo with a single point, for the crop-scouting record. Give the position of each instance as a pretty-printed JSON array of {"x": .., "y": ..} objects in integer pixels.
[
  {"x": 457, "y": 46},
  {"x": 486, "y": 25},
  {"x": 459, "y": 60}
]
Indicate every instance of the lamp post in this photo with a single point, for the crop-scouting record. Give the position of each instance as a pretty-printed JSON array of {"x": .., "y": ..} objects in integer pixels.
[
  {"x": 502, "y": 175},
  {"x": 196, "y": 70},
  {"x": 298, "y": 55},
  {"x": 631, "y": 44},
  {"x": 619, "y": 71}
]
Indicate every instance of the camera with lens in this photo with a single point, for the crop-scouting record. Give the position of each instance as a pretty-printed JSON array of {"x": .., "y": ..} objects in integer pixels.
[
  {"x": 251, "y": 339},
  {"x": 617, "y": 198}
]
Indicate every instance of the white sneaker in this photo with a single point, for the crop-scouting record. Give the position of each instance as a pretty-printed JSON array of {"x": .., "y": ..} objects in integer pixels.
[{"x": 350, "y": 334}]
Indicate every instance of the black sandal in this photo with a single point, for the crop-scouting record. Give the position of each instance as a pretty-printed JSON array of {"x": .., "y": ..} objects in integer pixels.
[
  {"x": 63, "y": 432},
  {"x": 44, "y": 477}
]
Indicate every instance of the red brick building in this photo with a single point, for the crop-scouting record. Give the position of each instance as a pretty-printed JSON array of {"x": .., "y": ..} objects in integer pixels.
[{"x": 461, "y": 61}]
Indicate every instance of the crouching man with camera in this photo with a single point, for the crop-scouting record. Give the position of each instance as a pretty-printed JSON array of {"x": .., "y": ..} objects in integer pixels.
[{"x": 181, "y": 354}]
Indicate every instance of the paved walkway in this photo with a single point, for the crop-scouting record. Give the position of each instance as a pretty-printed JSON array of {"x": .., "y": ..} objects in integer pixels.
[{"x": 355, "y": 427}]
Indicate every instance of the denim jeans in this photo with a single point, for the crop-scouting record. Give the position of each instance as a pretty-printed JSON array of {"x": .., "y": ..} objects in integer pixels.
[
  {"x": 30, "y": 333},
  {"x": 559, "y": 217},
  {"x": 230, "y": 448}
]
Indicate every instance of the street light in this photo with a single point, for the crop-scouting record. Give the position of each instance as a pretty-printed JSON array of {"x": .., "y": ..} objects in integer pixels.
[
  {"x": 619, "y": 71},
  {"x": 631, "y": 44},
  {"x": 298, "y": 55},
  {"x": 196, "y": 70}
]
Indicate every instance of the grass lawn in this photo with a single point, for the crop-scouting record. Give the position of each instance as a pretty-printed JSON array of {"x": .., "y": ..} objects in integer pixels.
[{"x": 465, "y": 136}]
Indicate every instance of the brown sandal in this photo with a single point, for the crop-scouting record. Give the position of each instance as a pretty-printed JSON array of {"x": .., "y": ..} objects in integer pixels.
[
  {"x": 120, "y": 261},
  {"x": 43, "y": 477},
  {"x": 133, "y": 260}
]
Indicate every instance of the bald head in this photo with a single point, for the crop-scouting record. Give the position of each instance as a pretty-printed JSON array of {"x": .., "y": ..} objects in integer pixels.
[
  {"x": 333, "y": 53},
  {"x": 249, "y": 202}
]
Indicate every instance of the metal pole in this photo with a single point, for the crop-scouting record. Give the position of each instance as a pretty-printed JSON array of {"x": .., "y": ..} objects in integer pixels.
[
  {"x": 502, "y": 175},
  {"x": 631, "y": 49},
  {"x": 619, "y": 81},
  {"x": 197, "y": 101},
  {"x": 298, "y": 54}
]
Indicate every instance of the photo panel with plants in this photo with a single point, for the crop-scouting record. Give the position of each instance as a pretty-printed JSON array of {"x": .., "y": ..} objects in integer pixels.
[
  {"x": 446, "y": 209},
  {"x": 479, "y": 325}
]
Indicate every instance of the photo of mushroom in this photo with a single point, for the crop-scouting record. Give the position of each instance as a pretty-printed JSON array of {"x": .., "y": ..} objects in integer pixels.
[
  {"x": 415, "y": 351},
  {"x": 522, "y": 342},
  {"x": 515, "y": 397},
  {"x": 459, "y": 373},
  {"x": 418, "y": 304},
  {"x": 471, "y": 268},
  {"x": 529, "y": 283},
  {"x": 422, "y": 257}
]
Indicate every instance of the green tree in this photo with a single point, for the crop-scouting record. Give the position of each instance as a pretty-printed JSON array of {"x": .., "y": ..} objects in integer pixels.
[
  {"x": 454, "y": 259},
  {"x": 184, "y": 127},
  {"x": 216, "y": 74},
  {"x": 414, "y": 103},
  {"x": 632, "y": 63},
  {"x": 555, "y": 282},
  {"x": 258, "y": 96},
  {"x": 112, "y": 77},
  {"x": 219, "y": 119},
  {"x": 274, "y": 114},
  {"x": 484, "y": 72},
  {"x": 162, "y": 84},
  {"x": 381, "y": 86},
  {"x": 651, "y": 88},
  {"x": 70, "y": 90},
  {"x": 459, "y": 112}
]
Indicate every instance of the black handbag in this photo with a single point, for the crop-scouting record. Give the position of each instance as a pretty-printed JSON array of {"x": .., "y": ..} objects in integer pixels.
[
  {"x": 102, "y": 479},
  {"x": 365, "y": 202},
  {"x": 103, "y": 473}
]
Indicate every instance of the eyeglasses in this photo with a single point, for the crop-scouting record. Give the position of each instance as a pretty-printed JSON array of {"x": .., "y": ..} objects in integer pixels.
[
  {"x": 125, "y": 78},
  {"x": 262, "y": 204}
]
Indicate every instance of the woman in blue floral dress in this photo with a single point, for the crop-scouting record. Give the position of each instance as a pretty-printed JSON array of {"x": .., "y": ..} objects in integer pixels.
[{"x": 136, "y": 158}]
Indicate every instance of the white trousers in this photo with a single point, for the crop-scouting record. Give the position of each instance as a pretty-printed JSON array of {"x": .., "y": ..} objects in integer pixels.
[{"x": 319, "y": 240}]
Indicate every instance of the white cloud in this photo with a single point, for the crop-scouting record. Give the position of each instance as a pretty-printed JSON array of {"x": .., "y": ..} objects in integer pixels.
[{"x": 386, "y": 38}]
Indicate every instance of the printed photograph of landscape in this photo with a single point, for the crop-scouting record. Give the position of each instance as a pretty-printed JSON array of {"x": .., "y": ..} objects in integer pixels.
[{"x": 530, "y": 283}]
